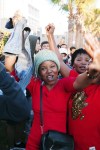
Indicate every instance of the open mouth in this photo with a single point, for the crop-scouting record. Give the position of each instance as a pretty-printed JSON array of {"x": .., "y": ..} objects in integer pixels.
[
  {"x": 82, "y": 67},
  {"x": 50, "y": 77}
]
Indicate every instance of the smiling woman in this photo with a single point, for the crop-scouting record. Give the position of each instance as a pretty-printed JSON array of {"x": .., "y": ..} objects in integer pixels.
[
  {"x": 48, "y": 69},
  {"x": 55, "y": 92},
  {"x": 43, "y": 56},
  {"x": 80, "y": 60}
]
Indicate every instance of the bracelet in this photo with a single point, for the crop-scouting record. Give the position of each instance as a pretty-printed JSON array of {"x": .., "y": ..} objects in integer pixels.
[{"x": 91, "y": 76}]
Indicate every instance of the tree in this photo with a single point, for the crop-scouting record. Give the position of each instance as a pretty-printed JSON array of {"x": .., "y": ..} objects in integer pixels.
[
  {"x": 92, "y": 22},
  {"x": 68, "y": 7},
  {"x": 4, "y": 35},
  {"x": 78, "y": 11}
]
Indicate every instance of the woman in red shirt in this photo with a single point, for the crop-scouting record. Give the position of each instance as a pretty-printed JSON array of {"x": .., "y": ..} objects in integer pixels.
[
  {"x": 84, "y": 125},
  {"x": 55, "y": 96}
]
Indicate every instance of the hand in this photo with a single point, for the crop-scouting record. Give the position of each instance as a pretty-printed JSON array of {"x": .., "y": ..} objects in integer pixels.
[
  {"x": 50, "y": 29},
  {"x": 92, "y": 46}
]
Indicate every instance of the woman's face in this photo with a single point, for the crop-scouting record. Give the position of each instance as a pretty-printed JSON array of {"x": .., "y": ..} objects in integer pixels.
[
  {"x": 48, "y": 72},
  {"x": 81, "y": 62}
]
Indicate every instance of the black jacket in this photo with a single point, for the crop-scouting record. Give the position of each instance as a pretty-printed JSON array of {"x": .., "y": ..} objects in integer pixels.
[{"x": 13, "y": 103}]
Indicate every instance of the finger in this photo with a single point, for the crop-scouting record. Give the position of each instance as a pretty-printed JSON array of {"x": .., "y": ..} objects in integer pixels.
[
  {"x": 97, "y": 42},
  {"x": 94, "y": 67},
  {"x": 47, "y": 27},
  {"x": 90, "y": 40},
  {"x": 88, "y": 49}
]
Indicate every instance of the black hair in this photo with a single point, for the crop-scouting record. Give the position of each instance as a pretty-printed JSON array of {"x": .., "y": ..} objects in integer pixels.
[
  {"x": 77, "y": 52},
  {"x": 58, "y": 46},
  {"x": 63, "y": 44},
  {"x": 44, "y": 42},
  {"x": 27, "y": 29},
  {"x": 72, "y": 47},
  {"x": 39, "y": 38}
]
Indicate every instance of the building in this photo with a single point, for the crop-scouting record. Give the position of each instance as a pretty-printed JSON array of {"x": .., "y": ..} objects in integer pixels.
[
  {"x": 28, "y": 10},
  {"x": 9, "y": 7},
  {"x": 58, "y": 38}
]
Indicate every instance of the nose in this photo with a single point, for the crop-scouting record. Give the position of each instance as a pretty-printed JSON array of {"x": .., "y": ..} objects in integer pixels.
[
  {"x": 46, "y": 47},
  {"x": 84, "y": 62},
  {"x": 49, "y": 70}
]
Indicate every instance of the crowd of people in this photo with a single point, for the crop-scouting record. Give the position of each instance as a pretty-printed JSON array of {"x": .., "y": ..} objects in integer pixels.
[{"x": 67, "y": 79}]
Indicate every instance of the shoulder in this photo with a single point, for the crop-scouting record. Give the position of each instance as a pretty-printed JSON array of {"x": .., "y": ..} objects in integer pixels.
[
  {"x": 73, "y": 73},
  {"x": 33, "y": 83},
  {"x": 67, "y": 83}
]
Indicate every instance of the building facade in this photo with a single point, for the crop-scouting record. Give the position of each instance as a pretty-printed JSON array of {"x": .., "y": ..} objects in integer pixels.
[
  {"x": 30, "y": 11},
  {"x": 8, "y": 8}
]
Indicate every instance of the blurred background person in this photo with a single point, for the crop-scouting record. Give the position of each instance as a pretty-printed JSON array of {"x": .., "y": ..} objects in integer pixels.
[{"x": 44, "y": 45}]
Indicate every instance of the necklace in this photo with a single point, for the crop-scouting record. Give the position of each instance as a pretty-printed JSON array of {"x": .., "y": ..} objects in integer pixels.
[{"x": 78, "y": 104}]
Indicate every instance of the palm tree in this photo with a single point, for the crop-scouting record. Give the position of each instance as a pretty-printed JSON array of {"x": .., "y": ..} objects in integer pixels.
[
  {"x": 82, "y": 9},
  {"x": 92, "y": 22},
  {"x": 77, "y": 10},
  {"x": 4, "y": 35},
  {"x": 68, "y": 7}
]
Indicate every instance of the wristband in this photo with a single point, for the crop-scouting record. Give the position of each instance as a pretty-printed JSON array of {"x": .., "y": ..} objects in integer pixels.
[{"x": 91, "y": 76}]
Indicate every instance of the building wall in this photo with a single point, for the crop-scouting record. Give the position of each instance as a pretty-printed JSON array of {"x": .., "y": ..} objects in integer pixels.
[
  {"x": 8, "y": 8},
  {"x": 58, "y": 38},
  {"x": 27, "y": 8}
]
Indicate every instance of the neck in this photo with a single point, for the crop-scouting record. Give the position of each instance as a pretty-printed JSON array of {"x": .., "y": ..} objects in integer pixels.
[{"x": 50, "y": 86}]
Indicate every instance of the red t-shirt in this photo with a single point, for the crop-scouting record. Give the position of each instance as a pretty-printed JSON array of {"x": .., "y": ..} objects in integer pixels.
[
  {"x": 54, "y": 108},
  {"x": 86, "y": 132}
]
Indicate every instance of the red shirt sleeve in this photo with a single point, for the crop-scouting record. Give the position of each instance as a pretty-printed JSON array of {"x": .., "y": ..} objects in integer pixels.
[
  {"x": 34, "y": 81},
  {"x": 13, "y": 73}
]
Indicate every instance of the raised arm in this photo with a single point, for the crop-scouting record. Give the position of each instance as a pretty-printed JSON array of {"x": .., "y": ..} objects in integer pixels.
[
  {"x": 83, "y": 80},
  {"x": 50, "y": 35},
  {"x": 13, "y": 103}
]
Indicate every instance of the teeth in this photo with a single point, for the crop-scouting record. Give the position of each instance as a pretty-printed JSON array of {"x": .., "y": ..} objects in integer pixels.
[
  {"x": 82, "y": 67},
  {"x": 50, "y": 77}
]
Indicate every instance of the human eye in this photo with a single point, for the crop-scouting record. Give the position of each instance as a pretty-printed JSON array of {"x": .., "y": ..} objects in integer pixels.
[
  {"x": 87, "y": 60},
  {"x": 43, "y": 68},
  {"x": 53, "y": 66},
  {"x": 78, "y": 59}
]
